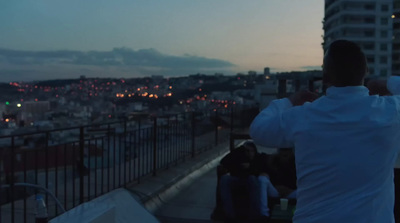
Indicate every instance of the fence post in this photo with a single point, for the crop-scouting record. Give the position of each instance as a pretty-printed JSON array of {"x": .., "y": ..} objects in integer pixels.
[
  {"x": 231, "y": 120},
  {"x": 81, "y": 167},
  {"x": 12, "y": 188},
  {"x": 216, "y": 127},
  {"x": 46, "y": 166},
  {"x": 193, "y": 134},
  {"x": 155, "y": 146},
  {"x": 138, "y": 141},
  {"x": 126, "y": 154}
]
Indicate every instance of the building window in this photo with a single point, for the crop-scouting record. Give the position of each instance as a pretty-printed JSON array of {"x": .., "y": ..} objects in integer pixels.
[
  {"x": 384, "y": 21},
  {"x": 384, "y": 33},
  {"x": 369, "y": 20},
  {"x": 383, "y": 72},
  {"x": 369, "y": 46},
  {"x": 369, "y": 6},
  {"x": 370, "y": 59},
  {"x": 383, "y": 60},
  {"x": 384, "y": 8},
  {"x": 369, "y": 33},
  {"x": 384, "y": 47}
]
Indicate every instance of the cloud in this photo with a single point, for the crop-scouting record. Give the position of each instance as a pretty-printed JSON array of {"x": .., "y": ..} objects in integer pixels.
[
  {"x": 311, "y": 68},
  {"x": 116, "y": 57},
  {"x": 19, "y": 65}
]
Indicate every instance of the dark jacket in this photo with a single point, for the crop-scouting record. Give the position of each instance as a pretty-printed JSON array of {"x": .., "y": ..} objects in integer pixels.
[
  {"x": 233, "y": 163},
  {"x": 282, "y": 171}
]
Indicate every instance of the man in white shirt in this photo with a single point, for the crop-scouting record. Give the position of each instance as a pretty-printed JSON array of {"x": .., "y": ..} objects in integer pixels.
[{"x": 346, "y": 142}]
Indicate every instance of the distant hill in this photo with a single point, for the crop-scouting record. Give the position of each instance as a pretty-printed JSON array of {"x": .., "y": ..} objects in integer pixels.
[{"x": 57, "y": 83}]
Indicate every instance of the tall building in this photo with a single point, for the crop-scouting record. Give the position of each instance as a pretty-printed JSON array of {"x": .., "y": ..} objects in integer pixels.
[
  {"x": 366, "y": 22},
  {"x": 396, "y": 38}
]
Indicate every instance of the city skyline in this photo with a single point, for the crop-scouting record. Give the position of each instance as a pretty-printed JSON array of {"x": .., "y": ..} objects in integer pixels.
[{"x": 178, "y": 38}]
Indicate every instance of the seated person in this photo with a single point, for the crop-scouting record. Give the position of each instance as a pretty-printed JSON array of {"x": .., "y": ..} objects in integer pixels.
[
  {"x": 280, "y": 181},
  {"x": 244, "y": 165}
]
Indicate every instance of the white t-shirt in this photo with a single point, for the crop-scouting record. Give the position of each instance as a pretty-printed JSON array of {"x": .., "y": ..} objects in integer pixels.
[{"x": 346, "y": 144}]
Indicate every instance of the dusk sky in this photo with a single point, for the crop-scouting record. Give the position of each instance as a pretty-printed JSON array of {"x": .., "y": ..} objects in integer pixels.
[{"x": 51, "y": 39}]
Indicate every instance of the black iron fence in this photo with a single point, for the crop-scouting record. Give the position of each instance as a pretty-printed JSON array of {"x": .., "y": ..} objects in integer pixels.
[{"x": 77, "y": 164}]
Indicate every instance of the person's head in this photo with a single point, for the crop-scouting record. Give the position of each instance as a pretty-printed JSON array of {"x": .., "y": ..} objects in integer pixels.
[
  {"x": 250, "y": 149},
  {"x": 344, "y": 64}
]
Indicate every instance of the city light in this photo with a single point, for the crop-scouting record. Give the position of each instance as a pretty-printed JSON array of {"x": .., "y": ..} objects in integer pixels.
[
  {"x": 7, "y": 120},
  {"x": 7, "y": 103},
  {"x": 393, "y": 16},
  {"x": 19, "y": 105}
]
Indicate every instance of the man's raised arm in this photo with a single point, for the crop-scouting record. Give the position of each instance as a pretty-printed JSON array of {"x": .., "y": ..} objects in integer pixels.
[
  {"x": 393, "y": 85},
  {"x": 268, "y": 128}
]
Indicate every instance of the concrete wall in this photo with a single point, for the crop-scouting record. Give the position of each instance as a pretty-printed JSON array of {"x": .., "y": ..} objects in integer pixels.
[{"x": 118, "y": 206}]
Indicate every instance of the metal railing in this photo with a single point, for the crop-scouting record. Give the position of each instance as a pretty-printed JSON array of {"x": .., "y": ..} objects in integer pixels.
[{"x": 78, "y": 164}]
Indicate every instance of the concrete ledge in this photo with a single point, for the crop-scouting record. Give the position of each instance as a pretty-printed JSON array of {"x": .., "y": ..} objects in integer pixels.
[
  {"x": 154, "y": 191},
  {"x": 116, "y": 206}
]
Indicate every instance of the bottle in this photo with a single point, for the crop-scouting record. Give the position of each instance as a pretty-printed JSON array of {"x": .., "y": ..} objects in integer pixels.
[{"x": 41, "y": 210}]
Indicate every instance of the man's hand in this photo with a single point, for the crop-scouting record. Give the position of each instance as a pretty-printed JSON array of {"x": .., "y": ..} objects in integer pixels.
[{"x": 301, "y": 97}]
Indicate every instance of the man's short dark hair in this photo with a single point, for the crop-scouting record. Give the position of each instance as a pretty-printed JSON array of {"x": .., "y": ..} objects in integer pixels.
[{"x": 346, "y": 62}]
